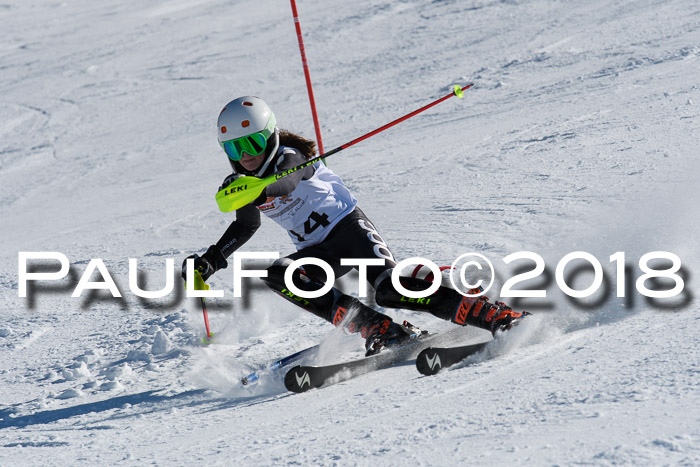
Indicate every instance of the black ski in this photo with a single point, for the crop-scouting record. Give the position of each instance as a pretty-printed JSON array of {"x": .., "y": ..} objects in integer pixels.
[
  {"x": 303, "y": 378},
  {"x": 433, "y": 359}
]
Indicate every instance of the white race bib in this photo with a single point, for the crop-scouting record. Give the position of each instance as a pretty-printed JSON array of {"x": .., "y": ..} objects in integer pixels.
[{"x": 315, "y": 206}]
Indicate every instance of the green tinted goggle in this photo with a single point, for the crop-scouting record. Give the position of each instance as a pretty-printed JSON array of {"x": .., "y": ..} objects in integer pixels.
[{"x": 254, "y": 145}]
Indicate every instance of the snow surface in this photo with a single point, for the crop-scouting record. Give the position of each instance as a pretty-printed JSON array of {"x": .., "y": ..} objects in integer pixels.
[{"x": 581, "y": 133}]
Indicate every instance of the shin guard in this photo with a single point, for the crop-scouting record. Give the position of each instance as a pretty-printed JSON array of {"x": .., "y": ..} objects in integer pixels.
[{"x": 333, "y": 306}]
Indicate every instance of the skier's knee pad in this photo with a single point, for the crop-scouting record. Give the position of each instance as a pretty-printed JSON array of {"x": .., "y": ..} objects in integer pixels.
[
  {"x": 320, "y": 306},
  {"x": 333, "y": 306},
  {"x": 436, "y": 303},
  {"x": 275, "y": 274},
  {"x": 276, "y": 277},
  {"x": 387, "y": 295}
]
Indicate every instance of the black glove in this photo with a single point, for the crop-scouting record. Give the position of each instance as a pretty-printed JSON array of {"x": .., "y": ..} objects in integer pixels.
[
  {"x": 207, "y": 264},
  {"x": 229, "y": 180}
]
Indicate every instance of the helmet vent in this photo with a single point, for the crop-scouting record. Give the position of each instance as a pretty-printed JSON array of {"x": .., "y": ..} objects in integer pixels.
[
  {"x": 249, "y": 104},
  {"x": 223, "y": 129},
  {"x": 245, "y": 123}
]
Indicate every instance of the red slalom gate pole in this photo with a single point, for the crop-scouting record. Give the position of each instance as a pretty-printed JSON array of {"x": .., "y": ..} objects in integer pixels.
[{"x": 309, "y": 88}]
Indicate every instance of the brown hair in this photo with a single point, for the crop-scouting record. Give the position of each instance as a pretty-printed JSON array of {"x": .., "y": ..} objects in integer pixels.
[{"x": 306, "y": 146}]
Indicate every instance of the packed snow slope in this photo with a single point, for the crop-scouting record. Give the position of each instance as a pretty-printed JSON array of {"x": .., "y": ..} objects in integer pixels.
[{"x": 580, "y": 134}]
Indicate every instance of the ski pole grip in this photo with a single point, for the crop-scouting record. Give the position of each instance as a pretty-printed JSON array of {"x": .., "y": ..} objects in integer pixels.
[
  {"x": 199, "y": 283},
  {"x": 459, "y": 91}
]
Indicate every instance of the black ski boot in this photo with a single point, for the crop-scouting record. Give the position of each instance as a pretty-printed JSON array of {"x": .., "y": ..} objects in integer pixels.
[
  {"x": 506, "y": 318},
  {"x": 389, "y": 335},
  {"x": 480, "y": 312}
]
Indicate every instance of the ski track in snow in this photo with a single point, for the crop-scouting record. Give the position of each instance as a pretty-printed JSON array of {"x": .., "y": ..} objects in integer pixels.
[{"x": 579, "y": 134}]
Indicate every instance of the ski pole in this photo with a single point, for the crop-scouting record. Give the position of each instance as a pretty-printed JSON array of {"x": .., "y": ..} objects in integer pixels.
[
  {"x": 206, "y": 321},
  {"x": 305, "y": 65},
  {"x": 245, "y": 189},
  {"x": 199, "y": 284}
]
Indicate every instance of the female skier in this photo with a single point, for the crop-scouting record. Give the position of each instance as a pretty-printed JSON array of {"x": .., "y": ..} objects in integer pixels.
[{"x": 323, "y": 220}]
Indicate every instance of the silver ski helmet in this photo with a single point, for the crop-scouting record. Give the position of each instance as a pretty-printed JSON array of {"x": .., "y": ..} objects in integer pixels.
[{"x": 247, "y": 124}]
